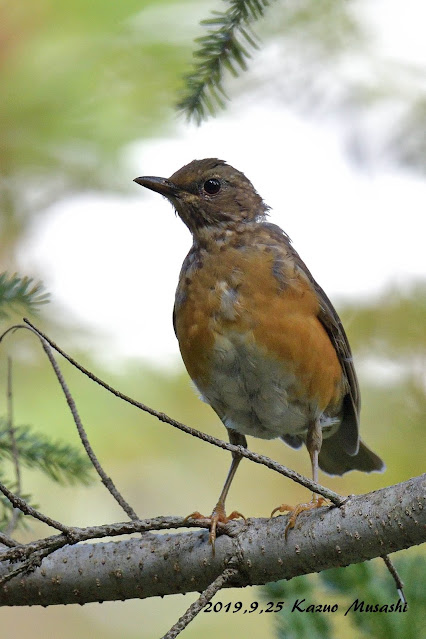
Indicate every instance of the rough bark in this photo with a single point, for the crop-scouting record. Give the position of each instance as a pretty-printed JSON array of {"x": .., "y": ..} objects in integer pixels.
[{"x": 367, "y": 526}]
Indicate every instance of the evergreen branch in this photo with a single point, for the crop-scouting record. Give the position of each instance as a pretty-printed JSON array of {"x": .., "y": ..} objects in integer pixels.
[
  {"x": 60, "y": 461},
  {"x": 107, "y": 481},
  {"x": 221, "y": 48},
  {"x": 21, "y": 292}
]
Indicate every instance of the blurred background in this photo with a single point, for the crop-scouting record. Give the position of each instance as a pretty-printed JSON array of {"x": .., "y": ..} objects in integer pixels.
[{"x": 329, "y": 125}]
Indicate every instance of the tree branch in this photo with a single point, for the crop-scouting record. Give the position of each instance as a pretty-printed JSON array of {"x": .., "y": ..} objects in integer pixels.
[
  {"x": 195, "y": 608},
  {"x": 224, "y": 46},
  {"x": 367, "y": 526},
  {"x": 107, "y": 481}
]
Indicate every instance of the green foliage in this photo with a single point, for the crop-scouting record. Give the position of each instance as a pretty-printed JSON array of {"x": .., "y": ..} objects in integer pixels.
[
  {"x": 369, "y": 582},
  {"x": 77, "y": 85},
  {"x": 222, "y": 48},
  {"x": 20, "y": 293},
  {"x": 295, "y": 625},
  {"x": 60, "y": 461},
  {"x": 79, "y": 82},
  {"x": 366, "y": 582}
]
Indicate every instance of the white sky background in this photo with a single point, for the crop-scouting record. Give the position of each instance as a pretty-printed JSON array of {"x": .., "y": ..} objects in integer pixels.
[{"x": 113, "y": 262}]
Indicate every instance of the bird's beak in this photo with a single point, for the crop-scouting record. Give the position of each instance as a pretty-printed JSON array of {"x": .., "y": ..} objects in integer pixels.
[{"x": 160, "y": 185}]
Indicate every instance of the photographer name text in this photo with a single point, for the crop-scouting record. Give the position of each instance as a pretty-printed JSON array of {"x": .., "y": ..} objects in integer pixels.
[{"x": 301, "y": 605}]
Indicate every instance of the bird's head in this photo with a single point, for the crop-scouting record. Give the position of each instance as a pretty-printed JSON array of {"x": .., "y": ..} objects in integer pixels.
[{"x": 209, "y": 193}]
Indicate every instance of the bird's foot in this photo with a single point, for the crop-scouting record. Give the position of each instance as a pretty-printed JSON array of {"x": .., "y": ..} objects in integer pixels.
[
  {"x": 218, "y": 516},
  {"x": 316, "y": 502}
]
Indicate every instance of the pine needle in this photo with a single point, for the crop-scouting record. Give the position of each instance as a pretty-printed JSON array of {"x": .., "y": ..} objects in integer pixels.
[{"x": 219, "y": 50}]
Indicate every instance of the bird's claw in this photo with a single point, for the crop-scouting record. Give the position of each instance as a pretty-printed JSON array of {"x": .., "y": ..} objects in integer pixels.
[
  {"x": 316, "y": 502},
  {"x": 218, "y": 516}
]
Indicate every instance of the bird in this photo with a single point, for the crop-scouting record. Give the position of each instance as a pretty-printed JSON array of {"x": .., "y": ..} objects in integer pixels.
[{"x": 260, "y": 339}]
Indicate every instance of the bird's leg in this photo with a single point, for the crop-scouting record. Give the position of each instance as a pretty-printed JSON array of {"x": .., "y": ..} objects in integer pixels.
[
  {"x": 219, "y": 513},
  {"x": 313, "y": 444}
]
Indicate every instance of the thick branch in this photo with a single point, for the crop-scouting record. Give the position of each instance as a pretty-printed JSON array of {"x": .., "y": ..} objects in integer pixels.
[{"x": 367, "y": 526}]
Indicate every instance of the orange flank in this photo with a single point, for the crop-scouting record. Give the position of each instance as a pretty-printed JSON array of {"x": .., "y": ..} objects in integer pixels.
[{"x": 279, "y": 315}]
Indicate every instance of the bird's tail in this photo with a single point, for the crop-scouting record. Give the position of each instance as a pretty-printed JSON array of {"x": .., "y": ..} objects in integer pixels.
[{"x": 335, "y": 461}]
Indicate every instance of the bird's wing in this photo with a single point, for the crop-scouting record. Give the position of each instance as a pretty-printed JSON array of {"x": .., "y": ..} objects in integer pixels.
[
  {"x": 174, "y": 319},
  {"x": 348, "y": 432},
  {"x": 349, "y": 428}
]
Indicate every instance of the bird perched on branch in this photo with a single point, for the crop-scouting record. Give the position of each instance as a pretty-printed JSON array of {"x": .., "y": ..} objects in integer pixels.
[{"x": 259, "y": 337}]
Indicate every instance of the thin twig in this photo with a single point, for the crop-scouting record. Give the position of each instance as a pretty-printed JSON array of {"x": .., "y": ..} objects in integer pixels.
[
  {"x": 20, "y": 503},
  {"x": 199, "y": 604},
  {"x": 398, "y": 582},
  {"x": 337, "y": 499},
  {"x": 7, "y": 541},
  {"x": 107, "y": 481},
  {"x": 14, "y": 447}
]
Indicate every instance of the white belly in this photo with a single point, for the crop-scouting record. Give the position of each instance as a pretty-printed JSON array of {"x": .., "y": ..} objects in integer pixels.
[{"x": 250, "y": 392}]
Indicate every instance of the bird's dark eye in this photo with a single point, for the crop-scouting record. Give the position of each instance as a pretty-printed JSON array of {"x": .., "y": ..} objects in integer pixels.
[{"x": 212, "y": 186}]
